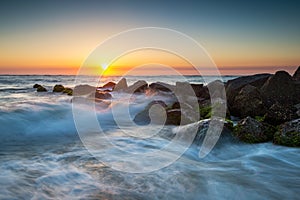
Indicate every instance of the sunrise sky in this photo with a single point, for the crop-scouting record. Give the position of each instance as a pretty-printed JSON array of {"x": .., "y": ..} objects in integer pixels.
[{"x": 242, "y": 37}]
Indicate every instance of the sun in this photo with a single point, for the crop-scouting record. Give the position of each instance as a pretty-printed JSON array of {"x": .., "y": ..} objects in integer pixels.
[{"x": 104, "y": 66}]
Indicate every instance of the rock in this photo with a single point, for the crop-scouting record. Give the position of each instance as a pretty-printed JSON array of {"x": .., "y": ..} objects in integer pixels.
[
  {"x": 296, "y": 75},
  {"x": 250, "y": 130},
  {"x": 279, "y": 88},
  {"x": 41, "y": 89},
  {"x": 121, "y": 85},
  {"x": 279, "y": 113},
  {"x": 58, "y": 88},
  {"x": 137, "y": 87},
  {"x": 184, "y": 89},
  {"x": 155, "y": 110},
  {"x": 109, "y": 86},
  {"x": 36, "y": 85},
  {"x": 68, "y": 91},
  {"x": 83, "y": 89},
  {"x": 248, "y": 102},
  {"x": 101, "y": 95},
  {"x": 174, "y": 117},
  {"x": 288, "y": 134},
  {"x": 234, "y": 86},
  {"x": 159, "y": 86},
  {"x": 216, "y": 89},
  {"x": 200, "y": 91}
]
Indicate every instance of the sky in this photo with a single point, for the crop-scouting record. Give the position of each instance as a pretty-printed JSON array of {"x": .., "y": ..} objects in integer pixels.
[{"x": 241, "y": 37}]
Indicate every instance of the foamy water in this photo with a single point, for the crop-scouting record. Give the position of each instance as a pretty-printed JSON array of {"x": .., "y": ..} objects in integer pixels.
[{"x": 42, "y": 157}]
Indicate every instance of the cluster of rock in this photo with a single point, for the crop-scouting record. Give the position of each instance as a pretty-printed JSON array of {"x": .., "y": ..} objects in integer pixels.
[
  {"x": 56, "y": 88},
  {"x": 268, "y": 104}
]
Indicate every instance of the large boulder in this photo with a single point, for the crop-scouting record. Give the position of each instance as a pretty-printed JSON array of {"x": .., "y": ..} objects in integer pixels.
[
  {"x": 121, "y": 85},
  {"x": 138, "y": 87},
  {"x": 248, "y": 102},
  {"x": 279, "y": 88},
  {"x": 234, "y": 86},
  {"x": 160, "y": 86},
  {"x": 41, "y": 89},
  {"x": 58, "y": 88},
  {"x": 83, "y": 89},
  {"x": 288, "y": 134},
  {"x": 250, "y": 130},
  {"x": 296, "y": 75},
  {"x": 200, "y": 91},
  {"x": 279, "y": 113}
]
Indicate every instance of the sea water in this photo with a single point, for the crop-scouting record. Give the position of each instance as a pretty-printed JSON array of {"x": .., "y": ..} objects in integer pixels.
[{"x": 42, "y": 156}]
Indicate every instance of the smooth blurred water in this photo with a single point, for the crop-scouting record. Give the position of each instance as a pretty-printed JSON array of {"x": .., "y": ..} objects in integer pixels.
[{"x": 42, "y": 157}]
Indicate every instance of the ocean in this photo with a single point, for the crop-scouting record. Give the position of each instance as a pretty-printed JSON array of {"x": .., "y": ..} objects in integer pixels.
[{"x": 42, "y": 156}]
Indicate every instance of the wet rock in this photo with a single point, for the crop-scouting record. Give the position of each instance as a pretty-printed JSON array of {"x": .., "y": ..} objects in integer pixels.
[
  {"x": 102, "y": 95},
  {"x": 200, "y": 91},
  {"x": 109, "y": 86},
  {"x": 184, "y": 89},
  {"x": 83, "y": 89},
  {"x": 217, "y": 89},
  {"x": 138, "y": 87},
  {"x": 68, "y": 91},
  {"x": 58, "y": 88},
  {"x": 250, "y": 130},
  {"x": 279, "y": 113},
  {"x": 36, "y": 85},
  {"x": 296, "y": 75},
  {"x": 41, "y": 89},
  {"x": 248, "y": 102},
  {"x": 234, "y": 86},
  {"x": 159, "y": 86},
  {"x": 279, "y": 88},
  {"x": 121, "y": 85},
  {"x": 288, "y": 134},
  {"x": 155, "y": 110}
]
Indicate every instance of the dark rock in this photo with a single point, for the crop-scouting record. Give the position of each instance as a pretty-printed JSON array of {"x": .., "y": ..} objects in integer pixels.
[
  {"x": 234, "y": 86},
  {"x": 137, "y": 87},
  {"x": 83, "y": 89},
  {"x": 159, "y": 86},
  {"x": 174, "y": 117},
  {"x": 109, "y": 85},
  {"x": 200, "y": 91},
  {"x": 216, "y": 89},
  {"x": 41, "y": 89},
  {"x": 68, "y": 91},
  {"x": 250, "y": 130},
  {"x": 279, "y": 113},
  {"x": 102, "y": 95},
  {"x": 58, "y": 88},
  {"x": 279, "y": 88},
  {"x": 36, "y": 85},
  {"x": 296, "y": 75},
  {"x": 155, "y": 110},
  {"x": 288, "y": 134},
  {"x": 248, "y": 102},
  {"x": 121, "y": 85},
  {"x": 184, "y": 89}
]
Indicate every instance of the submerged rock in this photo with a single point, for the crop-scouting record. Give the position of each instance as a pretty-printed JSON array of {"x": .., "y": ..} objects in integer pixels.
[
  {"x": 68, "y": 91},
  {"x": 41, "y": 89},
  {"x": 248, "y": 102},
  {"x": 121, "y": 85},
  {"x": 250, "y": 130},
  {"x": 288, "y": 134},
  {"x": 36, "y": 85},
  {"x": 100, "y": 95},
  {"x": 155, "y": 110},
  {"x": 58, "y": 88}
]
